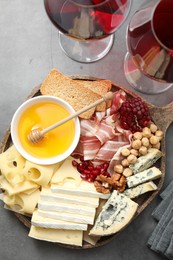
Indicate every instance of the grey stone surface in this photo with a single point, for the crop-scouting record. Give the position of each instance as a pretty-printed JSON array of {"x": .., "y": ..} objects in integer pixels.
[{"x": 29, "y": 49}]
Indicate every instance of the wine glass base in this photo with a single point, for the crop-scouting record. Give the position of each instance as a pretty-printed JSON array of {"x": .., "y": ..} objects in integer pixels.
[
  {"x": 140, "y": 82},
  {"x": 85, "y": 51}
]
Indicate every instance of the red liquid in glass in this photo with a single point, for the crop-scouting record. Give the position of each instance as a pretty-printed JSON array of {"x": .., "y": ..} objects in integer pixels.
[
  {"x": 102, "y": 19},
  {"x": 151, "y": 43}
]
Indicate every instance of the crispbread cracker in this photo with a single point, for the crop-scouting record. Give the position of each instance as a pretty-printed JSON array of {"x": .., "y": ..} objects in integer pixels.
[
  {"x": 78, "y": 96},
  {"x": 100, "y": 87}
]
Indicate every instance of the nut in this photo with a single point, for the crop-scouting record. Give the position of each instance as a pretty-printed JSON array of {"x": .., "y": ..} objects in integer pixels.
[
  {"x": 143, "y": 150},
  {"x": 137, "y": 135},
  {"x": 134, "y": 152},
  {"x": 154, "y": 139},
  {"x": 136, "y": 144},
  {"x": 146, "y": 132},
  {"x": 118, "y": 168},
  {"x": 132, "y": 159},
  {"x": 157, "y": 146},
  {"x": 145, "y": 142},
  {"x": 159, "y": 134},
  {"x": 125, "y": 152},
  {"x": 153, "y": 128},
  {"x": 127, "y": 172},
  {"x": 125, "y": 163},
  {"x": 103, "y": 184}
]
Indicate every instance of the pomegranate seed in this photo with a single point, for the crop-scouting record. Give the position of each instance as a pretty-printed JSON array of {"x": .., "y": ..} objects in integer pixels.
[
  {"x": 91, "y": 168},
  {"x": 82, "y": 159},
  {"x": 95, "y": 172},
  {"x": 80, "y": 168},
  {"x": 74, "y": 163},
  {"x": 86, "y": 172}
]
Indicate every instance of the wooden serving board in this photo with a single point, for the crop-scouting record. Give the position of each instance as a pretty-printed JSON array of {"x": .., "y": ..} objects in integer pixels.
[{"x": 162, "y": 116}]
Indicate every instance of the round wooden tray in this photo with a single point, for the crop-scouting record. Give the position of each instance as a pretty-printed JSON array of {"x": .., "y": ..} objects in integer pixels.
[{"x": 162, "y": 116}]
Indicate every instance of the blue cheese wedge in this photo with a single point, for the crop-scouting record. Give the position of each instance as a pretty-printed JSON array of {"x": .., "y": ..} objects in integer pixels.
[
  {"x": 144, "y": 176},
  {"x": 146, "y": 161},
  {"x": 117, "y": 212},
  {"x": 140, "y": 189}
]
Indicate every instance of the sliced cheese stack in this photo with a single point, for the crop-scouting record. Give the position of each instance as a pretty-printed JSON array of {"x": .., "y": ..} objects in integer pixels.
[{"x": 69, "y": 204}]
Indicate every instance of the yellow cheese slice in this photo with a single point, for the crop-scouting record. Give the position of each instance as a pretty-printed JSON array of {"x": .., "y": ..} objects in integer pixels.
[
  {"x": 11, "y": 163},
  {"x": 40, "y": 174},
  {"x": 67, "y": 172},
  {"x": 18, "y": 188},
  {"x": 70, "y": 237},
  {"x": 24, "y": 203}
]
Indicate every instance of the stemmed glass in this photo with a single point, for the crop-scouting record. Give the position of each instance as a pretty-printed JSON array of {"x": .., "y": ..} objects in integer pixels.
[
  {"x": 149, "y": 62},
  {"x": 86, "y": 27}
]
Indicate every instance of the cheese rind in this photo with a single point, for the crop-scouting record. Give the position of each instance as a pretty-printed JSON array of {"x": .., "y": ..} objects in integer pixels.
[
  {"x": 66, "y": 207},
  {"x": 66, "y": 216},
  {"x": 144, "y": 176},
  {"x": 48, "y": 195},
  {"x": 140, "y": 189},
  {"x": 85, "y": 189},
  {"x": 70, "y": 237},
  {"x": 146, "y": 161},
  {"x": 45, "y": 222},
  {"x": 116, "y": 214}
]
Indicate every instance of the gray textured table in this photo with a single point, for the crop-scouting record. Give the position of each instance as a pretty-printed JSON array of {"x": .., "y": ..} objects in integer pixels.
[{"x": 28, "y": 51}]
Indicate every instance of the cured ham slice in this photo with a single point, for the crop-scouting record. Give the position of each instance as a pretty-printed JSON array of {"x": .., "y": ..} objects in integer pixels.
[{"x": 102, "y": 137}]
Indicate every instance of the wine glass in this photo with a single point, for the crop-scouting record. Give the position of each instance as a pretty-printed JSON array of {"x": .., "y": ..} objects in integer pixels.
[
  {"x": 86, "y": 27},
  {"x": 148, "y": 64}
]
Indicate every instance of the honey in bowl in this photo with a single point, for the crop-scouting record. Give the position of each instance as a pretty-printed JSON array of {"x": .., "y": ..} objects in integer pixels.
[
  {"x": 43, "y": 115},
  {"x": 42, "y": 112}
]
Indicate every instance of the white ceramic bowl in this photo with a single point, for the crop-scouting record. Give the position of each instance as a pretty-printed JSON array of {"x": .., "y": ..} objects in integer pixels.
[{"x": 16, "y": 139}]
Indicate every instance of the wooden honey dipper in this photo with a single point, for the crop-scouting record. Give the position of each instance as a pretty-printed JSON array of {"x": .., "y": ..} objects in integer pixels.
[{"x": 37, "y": 134}]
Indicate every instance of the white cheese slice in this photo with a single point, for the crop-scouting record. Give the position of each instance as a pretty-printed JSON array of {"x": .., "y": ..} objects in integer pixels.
[
  {"x": 48, "y": 195},
  {"x": 140, "y": 189},
  {"x": 66, "y": 207},
  {"x": 144, "y": 176},
  {"x": 84, "y": 189},
  {"x": 146, "y": 161},
  {"x": 66, "y": 216},
  {"x": 115, "y": 215},
  {"x": 70, "y": 237},
  {"x": 45, "y": 222}
]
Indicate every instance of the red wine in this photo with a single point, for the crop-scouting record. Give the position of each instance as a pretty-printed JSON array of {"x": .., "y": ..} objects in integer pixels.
[
  {"x": 150, "y": 41},
  {"x": 87, "y": 19}
]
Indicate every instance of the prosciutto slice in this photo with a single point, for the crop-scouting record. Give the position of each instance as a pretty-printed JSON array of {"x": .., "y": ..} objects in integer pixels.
[{"x": 102, "y": 137}]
